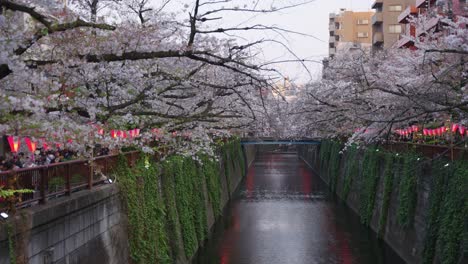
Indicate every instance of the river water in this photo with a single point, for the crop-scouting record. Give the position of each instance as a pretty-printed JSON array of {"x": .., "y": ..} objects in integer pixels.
[{"x": 284, "y": 214}]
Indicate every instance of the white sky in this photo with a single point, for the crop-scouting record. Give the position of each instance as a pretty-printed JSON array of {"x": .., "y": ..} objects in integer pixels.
[{"x": 311, "y": 19}]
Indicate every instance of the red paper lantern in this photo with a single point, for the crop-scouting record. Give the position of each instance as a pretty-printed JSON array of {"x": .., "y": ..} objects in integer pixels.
[
  {"x": 123, "y": 134},
  {"x": 31, "y": 145},
  {"x": 14, "y": 144},
  {"x": 415, "y": 128},
  {"x": 462, "y": 130},
  {"x": 113, "y": 133},
  {"x": 100, "y": 131},
  {"x": 134, "y": 132},
  {"x": 454, "y": 128},
  {"x": 425, "y": 132},
  {"x": 45, "y": 146}
]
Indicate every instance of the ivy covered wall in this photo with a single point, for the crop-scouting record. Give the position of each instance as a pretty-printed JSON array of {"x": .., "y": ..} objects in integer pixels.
[
  {"x": 417, "y": 205},
  {"x": 168, "y": 203}
]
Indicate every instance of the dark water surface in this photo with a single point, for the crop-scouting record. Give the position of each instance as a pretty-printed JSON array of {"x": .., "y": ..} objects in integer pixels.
[{"x": 284, "y": 214}]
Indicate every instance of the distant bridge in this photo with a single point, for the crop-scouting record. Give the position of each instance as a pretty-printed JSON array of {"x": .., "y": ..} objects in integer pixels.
[{"x": 272, "y": 141}]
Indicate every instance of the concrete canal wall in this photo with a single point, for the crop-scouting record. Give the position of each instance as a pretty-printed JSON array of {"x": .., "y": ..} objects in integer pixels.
[
  {"x": 411, "y": 202},
  {"x": 92, "y": 226}
]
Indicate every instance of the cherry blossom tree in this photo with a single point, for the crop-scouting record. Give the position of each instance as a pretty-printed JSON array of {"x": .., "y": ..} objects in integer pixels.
[
  {"x": 128, "y": 64},
  {"x": 368, "y": 96}
]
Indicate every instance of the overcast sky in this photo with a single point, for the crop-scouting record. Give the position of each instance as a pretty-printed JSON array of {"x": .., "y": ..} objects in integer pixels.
[{"x": 311, "y": 19}]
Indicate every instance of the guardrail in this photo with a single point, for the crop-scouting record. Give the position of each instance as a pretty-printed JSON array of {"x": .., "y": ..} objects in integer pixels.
[
  {"x": 430, "y": 151},
  {"x": 58, "y": 179}
]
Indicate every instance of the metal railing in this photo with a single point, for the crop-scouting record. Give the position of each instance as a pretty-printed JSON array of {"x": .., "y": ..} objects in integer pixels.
[
  {"x": 58, "y": 179},
  {"x": 429, "y": 151}
]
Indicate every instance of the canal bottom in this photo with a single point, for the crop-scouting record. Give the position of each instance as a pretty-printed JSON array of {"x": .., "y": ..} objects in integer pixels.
[{"x": 282, "y": 213}]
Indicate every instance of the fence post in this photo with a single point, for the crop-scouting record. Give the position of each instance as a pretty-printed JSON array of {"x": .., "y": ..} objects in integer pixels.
[
  {"x": 106, "y": 170},
  {"x": 67, "y": 175},
  {"x": 90, "y": 175},
  {"x": 42, "y": 187}
]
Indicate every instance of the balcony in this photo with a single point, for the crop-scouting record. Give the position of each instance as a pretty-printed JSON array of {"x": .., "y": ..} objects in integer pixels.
[
  {"x": 332, "y": 39},
  {"x": 403, "y": 18},
  {"x": 424, "y": 3},
  {"x": 428, "y": 25},
  {"x": 331, "y": 51},
  {"x": 405, "y": 42},
  {"x": 377, "y": 39},
  {"x": 331, "y": 27},
  {"x": 332, "y": 15},
  {"x": 377, "y": 4},
  {"x": 377, "y": 18}
]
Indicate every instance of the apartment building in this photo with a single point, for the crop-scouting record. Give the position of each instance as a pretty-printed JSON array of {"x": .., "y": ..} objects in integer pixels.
[
  {"x": 385, "y": 25},
  {"x": 349, "y": 31},
  {"x": 432, "y": 10}
]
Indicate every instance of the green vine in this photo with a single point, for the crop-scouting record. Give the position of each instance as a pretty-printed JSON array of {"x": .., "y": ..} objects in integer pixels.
[
  {"x": 168, "y": 190},
  {"x": 351, "y": 171},
  {"x": 453, "y": 215},
  {"x": 408, "y": 190},
  {"x": 232, "y": 150},
  {"x": 184, "y": 200},
  {"x": 387, "y": 192},
  {"x": 440, "y": 174},
  {"x": 198, "y": 199},
  {"x": 210, "y": 168},
  {"x": 334, "y": 165},
  {"x": 146, "y": 215},
  {"x": 167, "y": 208},
  {"x": 11, "y": 243},
  {"x": 240, "y": 155},
  {"x": 370, "y": 178},
  {"x": 225, "y": 151},
  {"x": 325, "y": 149}
]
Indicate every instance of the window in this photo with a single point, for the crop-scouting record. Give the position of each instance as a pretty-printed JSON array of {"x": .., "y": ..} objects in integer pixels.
[
  {"x": 394, "y": 29},
  {"x": 363, "y": 22},
  {"x": 395, "y": 8},
  {"x": 362, "y": 34}
]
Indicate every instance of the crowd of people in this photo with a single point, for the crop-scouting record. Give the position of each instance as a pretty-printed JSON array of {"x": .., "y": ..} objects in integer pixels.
[
  {"x": 13, "y": 161},
  {"x": 40, "y": 157}
]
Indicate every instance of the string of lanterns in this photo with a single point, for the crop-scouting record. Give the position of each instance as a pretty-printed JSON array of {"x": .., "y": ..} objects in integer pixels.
[
  {"x": 15, "y": 141},
  {"x": 462, "y": 130}
]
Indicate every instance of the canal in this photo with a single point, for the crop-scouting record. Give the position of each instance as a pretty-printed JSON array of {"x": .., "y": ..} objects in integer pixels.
[{"x": 284, "y": 214}]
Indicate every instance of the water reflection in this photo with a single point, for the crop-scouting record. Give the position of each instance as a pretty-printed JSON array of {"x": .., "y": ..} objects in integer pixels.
[{"x": 283, "y": 213}]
